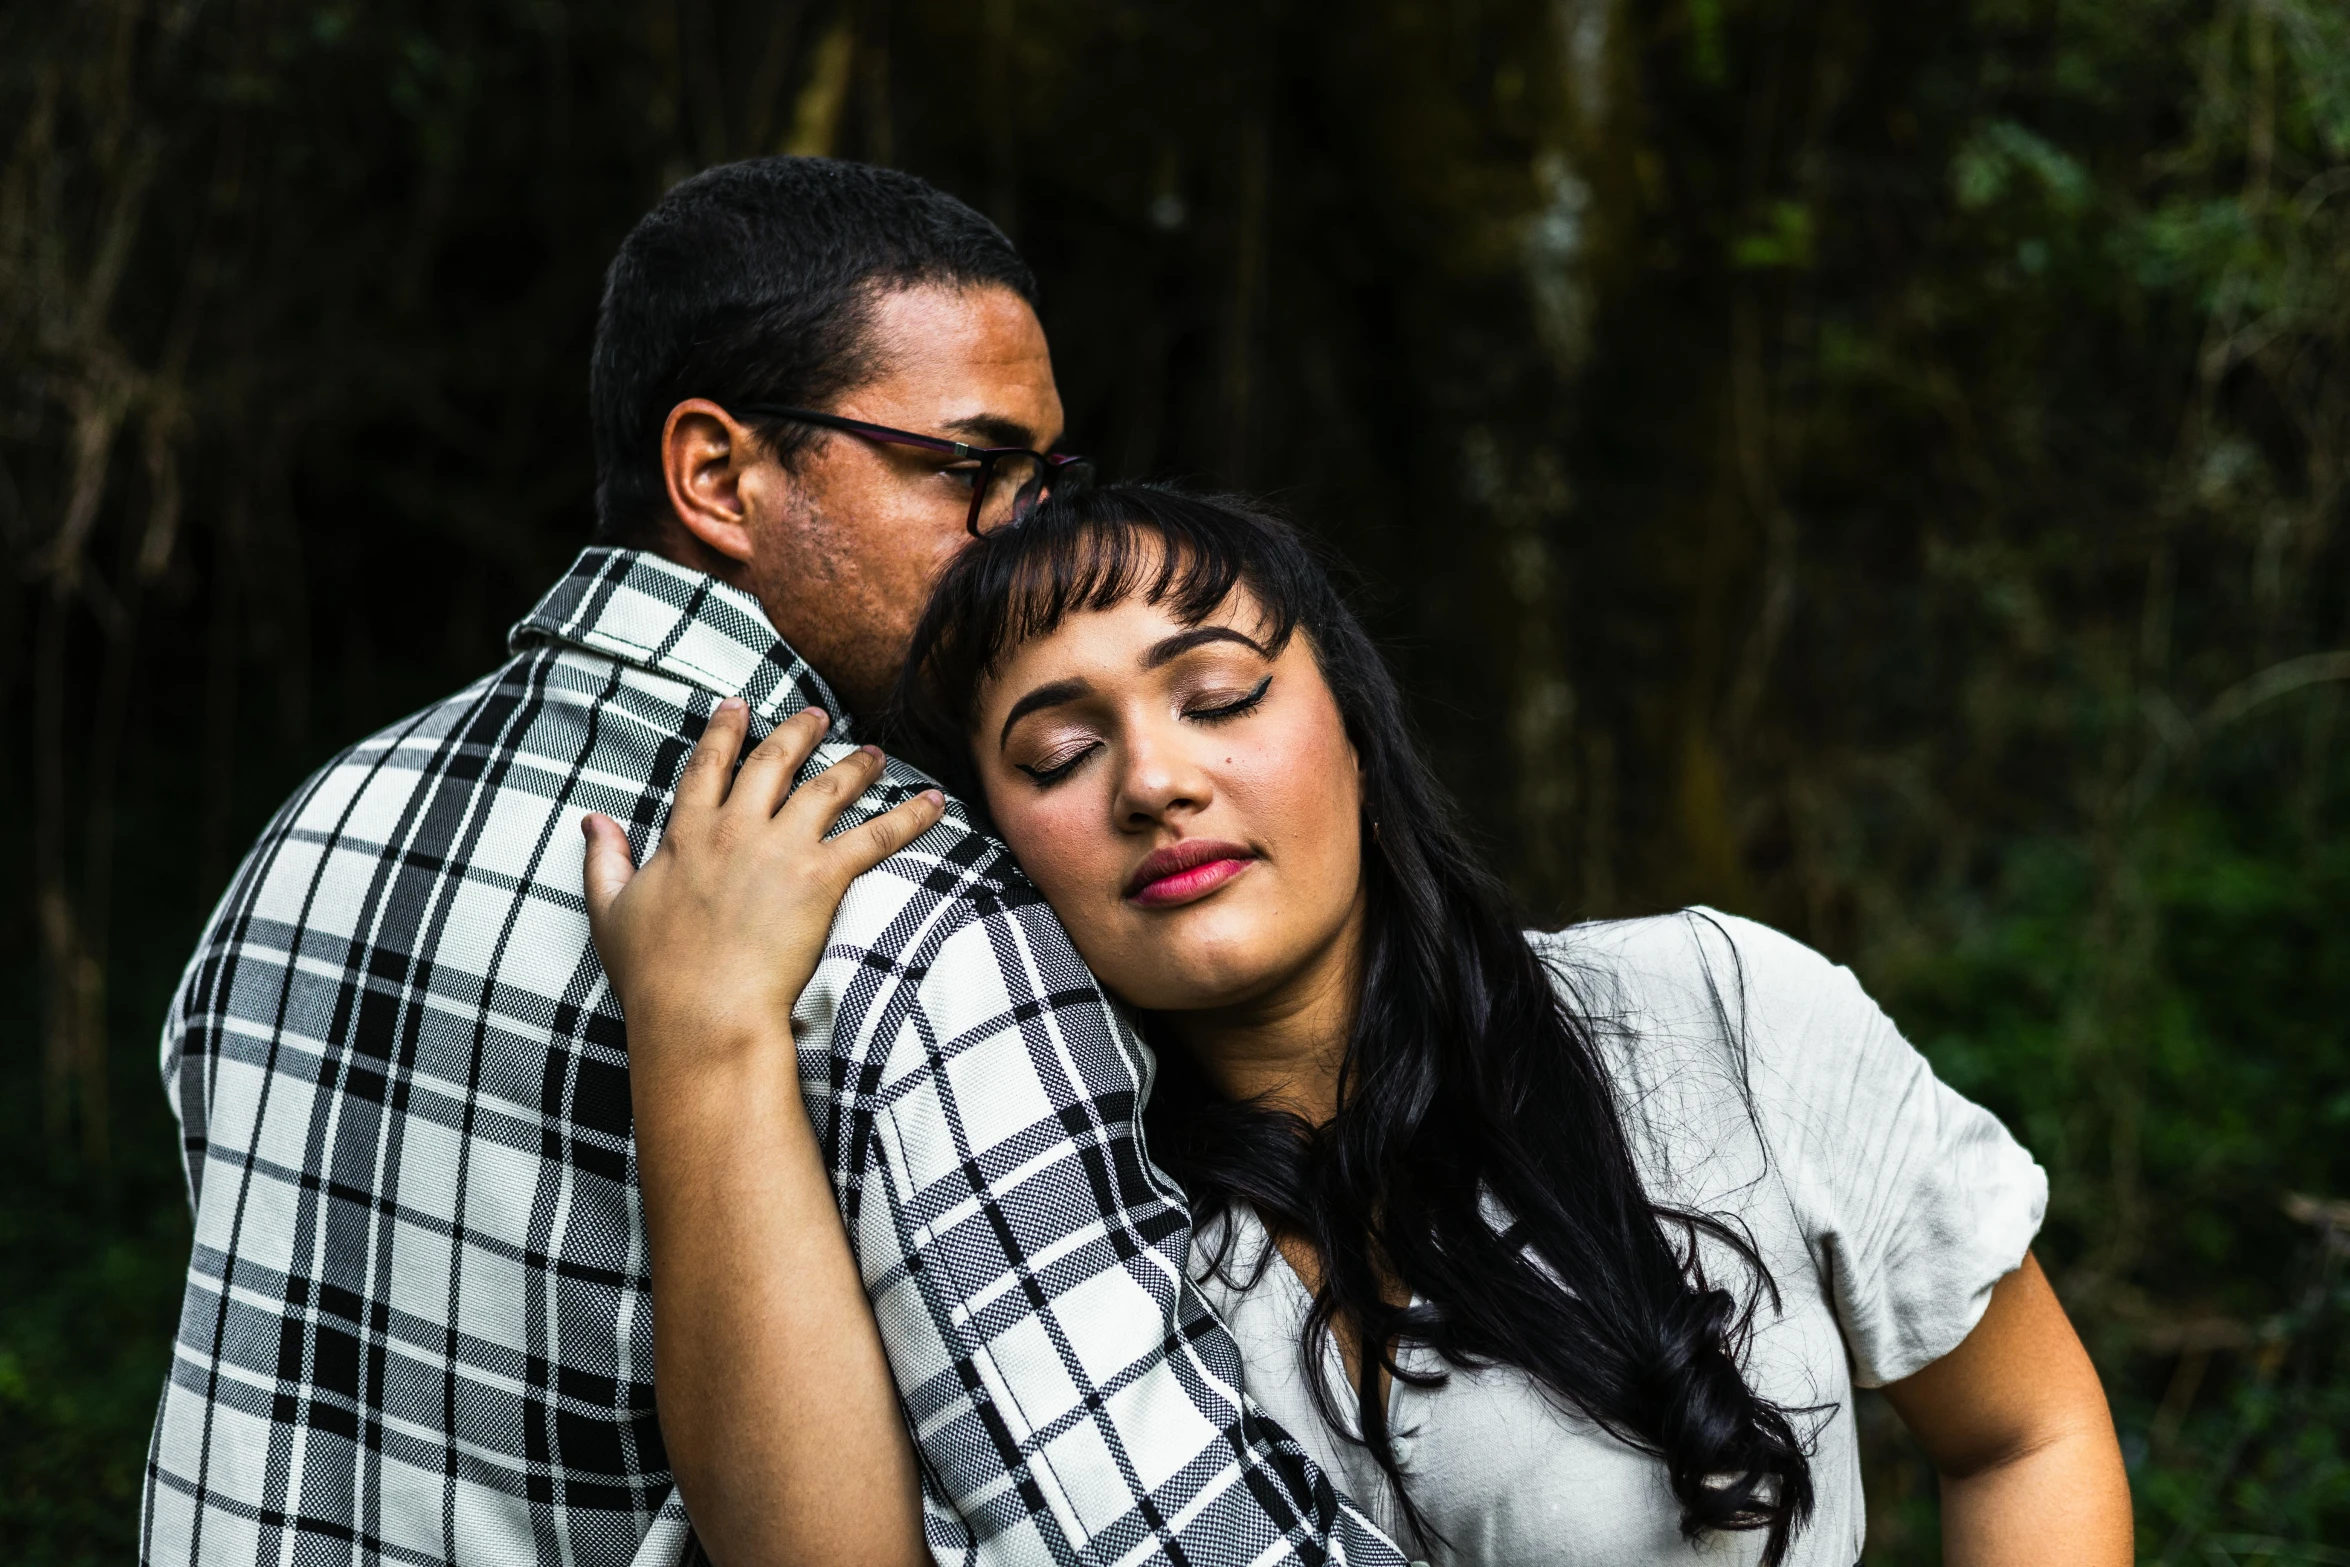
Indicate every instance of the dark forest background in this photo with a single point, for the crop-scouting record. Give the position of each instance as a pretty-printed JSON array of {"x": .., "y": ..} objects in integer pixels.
[{"x": 1875, "y": 467}]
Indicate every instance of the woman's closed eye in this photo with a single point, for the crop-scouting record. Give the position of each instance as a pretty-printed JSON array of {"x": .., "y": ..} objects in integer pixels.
[
  {"x": 1216, "y": 709},
  {"x": 1059, "y": 762},
  {"x": 1063, "y": 755}
]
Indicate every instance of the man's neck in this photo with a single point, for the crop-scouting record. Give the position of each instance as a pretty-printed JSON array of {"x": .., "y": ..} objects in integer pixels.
[{"x": 680, "y": 548}]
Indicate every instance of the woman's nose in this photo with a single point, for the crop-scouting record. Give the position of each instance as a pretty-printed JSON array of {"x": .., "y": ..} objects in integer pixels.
[{"x": 1160, "y": 781}]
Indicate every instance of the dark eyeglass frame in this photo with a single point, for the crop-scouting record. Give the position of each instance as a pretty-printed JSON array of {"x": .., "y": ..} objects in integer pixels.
[{"x": 1052, "y": 467}]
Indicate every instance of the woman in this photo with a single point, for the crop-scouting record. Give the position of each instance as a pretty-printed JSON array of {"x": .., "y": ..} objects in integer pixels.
[{"x": 1562, "y": 1247}]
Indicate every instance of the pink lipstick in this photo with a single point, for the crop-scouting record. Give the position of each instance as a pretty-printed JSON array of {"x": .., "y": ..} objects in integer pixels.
[{"x": 1186, "y": 872}]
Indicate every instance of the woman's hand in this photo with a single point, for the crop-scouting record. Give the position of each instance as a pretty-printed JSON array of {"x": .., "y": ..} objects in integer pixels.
[
  {"x": 710, "y": 943},
  {"x": 774, "y": 1390}
]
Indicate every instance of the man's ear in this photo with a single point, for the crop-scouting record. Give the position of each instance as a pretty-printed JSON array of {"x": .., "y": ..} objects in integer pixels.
[{"x": 704, "y": 453}]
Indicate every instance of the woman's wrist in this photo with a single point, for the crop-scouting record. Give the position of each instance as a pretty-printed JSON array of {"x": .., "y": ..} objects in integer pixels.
[
  {"x": 699, "y": 1034},
  {"x": 711, "y": 1068}
]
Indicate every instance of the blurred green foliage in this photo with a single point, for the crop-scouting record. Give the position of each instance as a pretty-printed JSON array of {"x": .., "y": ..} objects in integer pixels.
[{"x": 1877, "y": 468}]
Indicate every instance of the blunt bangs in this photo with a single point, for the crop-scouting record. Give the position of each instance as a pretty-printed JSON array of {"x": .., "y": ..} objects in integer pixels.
[{"x": 1089, "y": 552}]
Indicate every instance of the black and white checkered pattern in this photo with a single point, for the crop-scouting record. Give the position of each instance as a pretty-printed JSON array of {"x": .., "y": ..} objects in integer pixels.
[{"x": 417, "y": 1326}]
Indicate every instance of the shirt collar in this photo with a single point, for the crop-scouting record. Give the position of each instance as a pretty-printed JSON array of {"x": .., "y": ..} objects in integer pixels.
[{"x": 662, "y": 617}]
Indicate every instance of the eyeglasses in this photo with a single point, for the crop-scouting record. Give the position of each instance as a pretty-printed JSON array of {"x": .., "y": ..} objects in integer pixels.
[{"x": 1007, "y": 482}]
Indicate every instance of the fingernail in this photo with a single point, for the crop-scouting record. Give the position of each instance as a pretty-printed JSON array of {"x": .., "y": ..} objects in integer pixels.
[
  {"x": 733, "y": 704},
  {"x": 823, "y": 719},
  {"x": 935, "y": 797},
  {"x": 873, "y": 751}
]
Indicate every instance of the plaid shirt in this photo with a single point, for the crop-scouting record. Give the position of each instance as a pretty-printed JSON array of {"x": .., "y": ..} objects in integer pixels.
[{"x": 418, "y": 1325}]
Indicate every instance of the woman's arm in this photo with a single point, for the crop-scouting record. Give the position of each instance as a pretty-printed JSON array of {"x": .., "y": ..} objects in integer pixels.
[
  {"x": 776, "y": 1403},
  {"x": 2015, "y": 1422}
]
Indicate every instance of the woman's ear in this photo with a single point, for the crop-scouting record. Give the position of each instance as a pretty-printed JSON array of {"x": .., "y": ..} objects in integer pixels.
[{"x": 704, "y": 453}]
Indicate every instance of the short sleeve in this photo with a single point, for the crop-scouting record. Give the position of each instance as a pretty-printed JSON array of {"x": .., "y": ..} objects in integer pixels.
[{"x": 1914, "y": 1199}]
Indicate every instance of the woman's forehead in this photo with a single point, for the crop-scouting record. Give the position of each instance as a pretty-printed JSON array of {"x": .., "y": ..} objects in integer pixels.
[
  {"x": 1134, "y": 624},
  {"x": 1117, "y": 640}
]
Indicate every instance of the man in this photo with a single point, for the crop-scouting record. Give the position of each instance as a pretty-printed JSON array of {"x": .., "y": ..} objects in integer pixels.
[{"x": 417, "y": 1326}]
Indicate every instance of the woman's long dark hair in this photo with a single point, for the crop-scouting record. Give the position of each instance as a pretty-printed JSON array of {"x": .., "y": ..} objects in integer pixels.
[{"x": 1477, "y": 1155}]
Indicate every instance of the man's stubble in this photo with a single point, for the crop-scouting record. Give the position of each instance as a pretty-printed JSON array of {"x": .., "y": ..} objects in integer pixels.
[{"x": 844, "y": 599}]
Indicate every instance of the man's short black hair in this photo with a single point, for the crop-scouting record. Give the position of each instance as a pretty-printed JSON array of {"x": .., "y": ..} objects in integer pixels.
[{"x": 754, "y": 282}]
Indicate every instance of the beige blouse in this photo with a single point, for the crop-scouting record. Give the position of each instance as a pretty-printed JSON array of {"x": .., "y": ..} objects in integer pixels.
[{"x": 1885, "y": 1205}]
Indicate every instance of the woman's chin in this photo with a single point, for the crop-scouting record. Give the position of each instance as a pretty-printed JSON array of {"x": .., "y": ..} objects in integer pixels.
[
  {"x": 1228, "y": 951},
  {"x": 1203, "y": 983}
]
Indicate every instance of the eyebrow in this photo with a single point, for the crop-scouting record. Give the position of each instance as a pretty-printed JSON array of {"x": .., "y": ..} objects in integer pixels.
[
  {"x": 990, "y": 430},
  {"x": 1167, "y": 650},
  {"x": 1052, "y": 693}
]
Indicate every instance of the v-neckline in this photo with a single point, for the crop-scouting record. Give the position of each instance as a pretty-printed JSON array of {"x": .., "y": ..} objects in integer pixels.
[{"x": 1333, "y": 1356}]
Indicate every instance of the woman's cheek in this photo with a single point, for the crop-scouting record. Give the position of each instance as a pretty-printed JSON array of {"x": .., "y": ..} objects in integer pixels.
[
  {"x": 1056, "y": 838},
  {"x": 1301, "y": 787}
]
